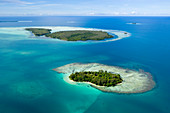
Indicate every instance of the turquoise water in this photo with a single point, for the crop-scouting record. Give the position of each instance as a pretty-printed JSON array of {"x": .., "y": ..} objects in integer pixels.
[{"x": 29, "y": 85}]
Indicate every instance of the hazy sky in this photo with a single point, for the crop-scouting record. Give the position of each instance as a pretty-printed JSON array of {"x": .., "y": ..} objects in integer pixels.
[{"x": 84, "y": 7}]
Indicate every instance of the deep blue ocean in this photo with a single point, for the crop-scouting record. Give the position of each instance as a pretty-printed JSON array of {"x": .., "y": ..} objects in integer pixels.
[{"x": 29, "y": 85}]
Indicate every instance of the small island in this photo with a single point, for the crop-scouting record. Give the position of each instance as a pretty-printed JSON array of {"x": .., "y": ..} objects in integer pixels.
[
  {"x": 101, "y": 78},
  {"x": 109, "y": 79},
  {"x": 133, "y": 23},
  {"x": 76, "y": 35}
]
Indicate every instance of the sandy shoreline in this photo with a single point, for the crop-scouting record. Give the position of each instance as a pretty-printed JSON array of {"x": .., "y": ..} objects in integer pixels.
[
  {"x": 120, "y": 34},
  {"x": 133, "y": 81}
]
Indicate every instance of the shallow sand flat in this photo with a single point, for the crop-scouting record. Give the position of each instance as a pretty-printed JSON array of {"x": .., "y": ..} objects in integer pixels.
[{"x": 133, "y": 81}]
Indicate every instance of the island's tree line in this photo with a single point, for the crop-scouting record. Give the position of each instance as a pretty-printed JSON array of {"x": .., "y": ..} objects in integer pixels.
[
  {"x": 102, "y": 78},
  {"x": 75, "y": 35},
  {"x": 82, "y": 35}
]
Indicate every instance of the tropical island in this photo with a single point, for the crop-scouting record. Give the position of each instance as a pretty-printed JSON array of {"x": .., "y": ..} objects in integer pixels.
[
  {"x": 101, "y": 78},
  {"x": 76, "y": 35},
  {"x": 109, "y": 79}
]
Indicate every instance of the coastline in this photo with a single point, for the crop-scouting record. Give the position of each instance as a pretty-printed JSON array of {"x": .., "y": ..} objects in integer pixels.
[{"x": 133, "y": 81}]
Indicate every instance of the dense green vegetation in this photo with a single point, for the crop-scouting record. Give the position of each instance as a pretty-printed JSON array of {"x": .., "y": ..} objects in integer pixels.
[
  {"x": 102, "y": 78},
  {"x": 82, "y": 35},
  {"x": 39, "y": 31},
  {"x": 77, "y": 35}
]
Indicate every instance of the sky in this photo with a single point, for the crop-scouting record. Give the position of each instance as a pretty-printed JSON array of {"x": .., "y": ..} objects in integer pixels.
[{"x": 84, "y": 7}]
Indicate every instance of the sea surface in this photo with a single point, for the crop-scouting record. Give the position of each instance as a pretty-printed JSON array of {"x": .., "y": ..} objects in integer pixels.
[{"x": 29, "y": 85}]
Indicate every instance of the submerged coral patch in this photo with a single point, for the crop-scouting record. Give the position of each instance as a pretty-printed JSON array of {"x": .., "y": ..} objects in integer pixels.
[{"x": 29, "y": 90}]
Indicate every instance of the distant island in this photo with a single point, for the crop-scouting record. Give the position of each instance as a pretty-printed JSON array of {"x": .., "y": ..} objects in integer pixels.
[
  {"x": 101, "y": 78},
  {"x": 76, "y": 35},
  {"x": 133, "y": 23}
]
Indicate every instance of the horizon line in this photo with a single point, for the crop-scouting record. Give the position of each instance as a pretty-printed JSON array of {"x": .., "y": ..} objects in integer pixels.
[{"x": 86, "y": 15}]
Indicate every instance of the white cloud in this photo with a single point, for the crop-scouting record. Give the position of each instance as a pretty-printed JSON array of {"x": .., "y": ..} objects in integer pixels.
[
  {"x": 14, "y": 2},
  {"x": 91, "y": 13},
  {"x": 37, "y": 6},
  {"x": 116, "y": 13},
  {"x": 133, "y": 12}
]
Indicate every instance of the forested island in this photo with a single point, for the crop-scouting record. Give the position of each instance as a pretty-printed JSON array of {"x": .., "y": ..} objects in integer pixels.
[
  {"x": 109, "y": 79},
  {"x": 76, "y": 35},
  {"x": 101, "y": 78}
]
